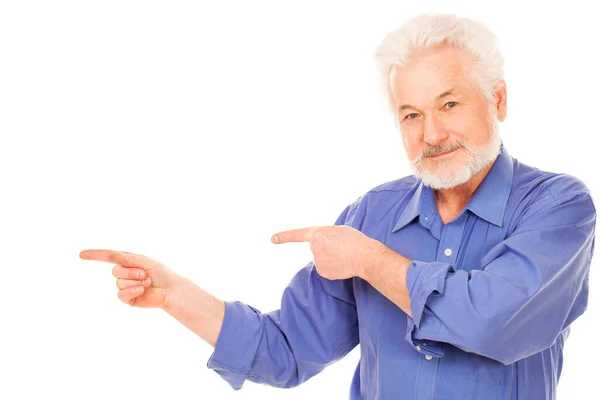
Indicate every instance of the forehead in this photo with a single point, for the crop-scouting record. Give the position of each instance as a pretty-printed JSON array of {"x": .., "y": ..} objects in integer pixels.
[{"x": 429, "y": 73}]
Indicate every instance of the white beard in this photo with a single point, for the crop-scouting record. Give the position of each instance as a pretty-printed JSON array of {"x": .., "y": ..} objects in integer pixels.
[{"x": 447, "y": 176}]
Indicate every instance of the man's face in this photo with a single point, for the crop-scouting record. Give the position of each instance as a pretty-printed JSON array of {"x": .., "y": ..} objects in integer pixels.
[{"x": 447, "y": 128}]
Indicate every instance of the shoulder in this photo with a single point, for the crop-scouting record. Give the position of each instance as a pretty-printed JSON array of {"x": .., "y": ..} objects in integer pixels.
[
  {"x": 531, "y": 181},
  {"x": 391, "y": 191},
  {"x": 539, "y": 193},
  {"x": 398, "y": 185},
  {"x": 381, "y": 199}
]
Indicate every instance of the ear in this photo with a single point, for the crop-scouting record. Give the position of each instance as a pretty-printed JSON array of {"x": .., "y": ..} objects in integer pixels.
[{"x": 500, "y": 100}]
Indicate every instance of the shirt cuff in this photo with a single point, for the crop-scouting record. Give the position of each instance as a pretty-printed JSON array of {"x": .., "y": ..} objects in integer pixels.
[
  {"x": 422, "y": 280},
  {"x": 426, "y": 347},
  {"x": 237, "y": 343}
]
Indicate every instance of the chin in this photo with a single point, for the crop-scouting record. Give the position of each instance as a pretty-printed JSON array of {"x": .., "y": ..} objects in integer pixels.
[
  {"x": 450, "y": 165},
  {"x": 447, "y": 179},
  {"x": 444, "y": 174}
]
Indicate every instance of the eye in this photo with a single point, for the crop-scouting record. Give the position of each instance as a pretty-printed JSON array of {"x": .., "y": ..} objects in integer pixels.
[
  {"x": 451, "y": 104},
  {"x": 411, "y": 116}
]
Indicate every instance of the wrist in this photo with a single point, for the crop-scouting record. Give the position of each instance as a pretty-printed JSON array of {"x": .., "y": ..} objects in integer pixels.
[
  {"x": 175, "y": 295},
  {"x": 380, "y": 255},
  {"x": 195, "y": 308},
  {"x": 384, "y": 259}
]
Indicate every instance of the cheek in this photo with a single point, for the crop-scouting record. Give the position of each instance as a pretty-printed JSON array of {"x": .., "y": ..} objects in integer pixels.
[
  {"x": 477, "y": 133},
  {"x": 471, "y": 127},
  {"x": 485, "y": 130},
  {"x": 460, "y": 128},
  {"x": 412, "y": 141}
]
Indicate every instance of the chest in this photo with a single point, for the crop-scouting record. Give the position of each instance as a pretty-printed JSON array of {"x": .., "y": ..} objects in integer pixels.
[{"x": 462, "y": 243}]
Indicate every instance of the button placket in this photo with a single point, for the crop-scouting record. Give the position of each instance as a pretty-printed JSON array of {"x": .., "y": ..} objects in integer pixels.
[{"x": 450, "y": 239}]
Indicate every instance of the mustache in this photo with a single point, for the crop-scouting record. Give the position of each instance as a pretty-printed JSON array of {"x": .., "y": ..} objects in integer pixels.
[{"x": 433, "y": 150}]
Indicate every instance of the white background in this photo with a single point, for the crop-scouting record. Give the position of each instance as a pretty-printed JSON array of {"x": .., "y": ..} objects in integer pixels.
[{"x": 191, "y": 132}]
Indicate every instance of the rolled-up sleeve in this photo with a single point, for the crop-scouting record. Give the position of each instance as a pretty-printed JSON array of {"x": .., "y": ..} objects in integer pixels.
[
  {"x": 316, "y": 325},
  {"x": 532, "y": 286}
]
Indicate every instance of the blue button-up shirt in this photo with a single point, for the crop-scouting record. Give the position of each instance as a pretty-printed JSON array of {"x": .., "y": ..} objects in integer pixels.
[{"x": 493, "y": 294}]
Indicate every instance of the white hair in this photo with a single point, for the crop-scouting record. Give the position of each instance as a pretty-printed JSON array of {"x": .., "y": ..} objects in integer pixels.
[{"x": 432, "y": 30}]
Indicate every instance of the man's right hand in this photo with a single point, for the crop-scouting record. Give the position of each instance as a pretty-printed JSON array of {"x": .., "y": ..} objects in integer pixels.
[{"x": 142, "y": 281}]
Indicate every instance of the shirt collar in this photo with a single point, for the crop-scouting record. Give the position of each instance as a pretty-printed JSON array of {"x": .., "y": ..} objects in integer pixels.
[
  {"x": 412, "y": 209},
  {"x": 488, "y": 202},
  {"x": 490, "y": 199}
]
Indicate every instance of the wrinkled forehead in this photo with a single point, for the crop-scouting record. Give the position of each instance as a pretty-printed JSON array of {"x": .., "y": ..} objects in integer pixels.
[{"x": 429, "y": 73}]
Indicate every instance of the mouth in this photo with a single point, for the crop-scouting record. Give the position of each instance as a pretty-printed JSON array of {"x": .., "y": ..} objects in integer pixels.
[{"x": 439, "y": 156}]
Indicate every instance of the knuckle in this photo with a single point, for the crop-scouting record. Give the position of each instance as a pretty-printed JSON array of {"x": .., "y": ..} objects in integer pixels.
[
  {"x": 316, "y": 245},
  {"x": 318, "y": 237}
]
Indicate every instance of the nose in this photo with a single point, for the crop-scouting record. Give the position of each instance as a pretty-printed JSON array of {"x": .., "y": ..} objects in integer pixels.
[{"x": 434, "y": 131}]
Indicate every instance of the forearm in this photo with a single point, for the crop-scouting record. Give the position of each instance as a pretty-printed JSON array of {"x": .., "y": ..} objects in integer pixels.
[
  {"x": 197, "y": 309},
  {"x": 387, "y": 275},
  {"x": 316, "y": 325}
]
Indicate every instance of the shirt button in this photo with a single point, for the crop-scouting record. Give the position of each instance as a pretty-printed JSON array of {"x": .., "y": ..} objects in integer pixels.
[
  {"x": 428, "y": 357},
  {"x": 418, "y": 348},
  {"x": 448, "y": 252}
]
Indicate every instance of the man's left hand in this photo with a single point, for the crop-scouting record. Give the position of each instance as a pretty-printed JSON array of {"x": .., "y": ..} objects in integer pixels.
[{"x": 340, "y": 251}]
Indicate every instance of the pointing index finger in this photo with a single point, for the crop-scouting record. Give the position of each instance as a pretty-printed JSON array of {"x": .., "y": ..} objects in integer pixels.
[
  {"x": 118, "y": 257},
  {"x": 294, "y": 235}
]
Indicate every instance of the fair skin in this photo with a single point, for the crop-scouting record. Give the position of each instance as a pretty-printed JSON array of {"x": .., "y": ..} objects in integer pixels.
[
  {"x": 437, "y": 105},
  {"x": 428, "y": 116}
]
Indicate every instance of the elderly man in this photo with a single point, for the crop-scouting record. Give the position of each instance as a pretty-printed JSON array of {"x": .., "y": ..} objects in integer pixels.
[{"x": 460, "y": 282}]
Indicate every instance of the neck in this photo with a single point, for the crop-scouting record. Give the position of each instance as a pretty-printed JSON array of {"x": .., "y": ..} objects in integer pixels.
[{"x": 451, "y": 202}]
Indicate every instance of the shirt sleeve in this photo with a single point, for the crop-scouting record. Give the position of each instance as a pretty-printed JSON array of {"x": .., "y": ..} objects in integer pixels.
[
  {"x": 534, "y": 285},
  {"x": 316, "y": 325}
]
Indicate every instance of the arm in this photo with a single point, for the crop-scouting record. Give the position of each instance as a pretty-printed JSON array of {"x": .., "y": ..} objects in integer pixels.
[
  {"x": 388, "y": 275},
  {"x": 199, "y": 311},
  {"x": 316, "y": 325},
  {"x": 533, "y": 285}
]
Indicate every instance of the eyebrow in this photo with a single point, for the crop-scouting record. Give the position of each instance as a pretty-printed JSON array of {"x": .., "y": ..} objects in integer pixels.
[{"x": 440, "y": 96}]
